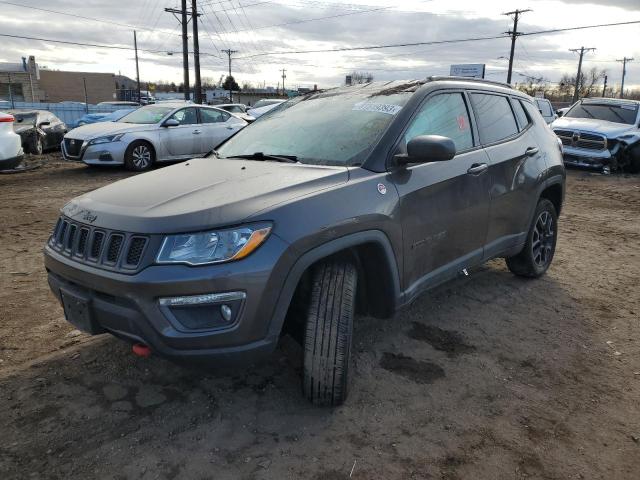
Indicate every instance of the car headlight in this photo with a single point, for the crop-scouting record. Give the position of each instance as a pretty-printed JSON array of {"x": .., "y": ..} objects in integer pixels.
[
  {"x": 212, "y": 247},
  {"x": 106, "y": 139}
]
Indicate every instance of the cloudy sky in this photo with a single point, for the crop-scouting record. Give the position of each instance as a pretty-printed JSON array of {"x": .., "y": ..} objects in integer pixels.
[{"x": 261, "y": 30}]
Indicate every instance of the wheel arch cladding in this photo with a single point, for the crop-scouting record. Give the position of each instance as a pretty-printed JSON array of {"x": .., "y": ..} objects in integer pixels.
[
  {"x": 378, "y": 279},
  {"x": 553, "y": 193}
]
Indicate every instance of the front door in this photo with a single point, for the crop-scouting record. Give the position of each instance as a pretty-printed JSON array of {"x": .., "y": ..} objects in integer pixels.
[
  {"x": 185, "y": 139},
  {"x": 444, "y": 206}
]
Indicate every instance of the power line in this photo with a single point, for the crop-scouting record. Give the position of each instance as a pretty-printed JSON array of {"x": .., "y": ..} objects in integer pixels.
[
  {"x": 93, "y": 19},
  {"x": 436, "y": 42}
]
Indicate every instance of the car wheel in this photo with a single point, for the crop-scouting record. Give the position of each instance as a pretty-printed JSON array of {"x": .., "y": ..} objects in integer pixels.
[
  {"x": 634, "y": 160},
  {"x": 36, "y": 147},
  {"x": 329, "y": 328},
  {"x": 537, "y": 254},
  {"x": 139, "y": 156}
]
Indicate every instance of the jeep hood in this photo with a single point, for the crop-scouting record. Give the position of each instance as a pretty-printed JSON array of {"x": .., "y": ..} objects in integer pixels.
[
  {"x": 100, "y": 129},
  {"x": 608, "y": 129},
  {"x": 200, "y": 194}
]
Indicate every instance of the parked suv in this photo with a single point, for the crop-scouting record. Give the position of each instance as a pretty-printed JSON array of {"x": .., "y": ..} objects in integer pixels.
[
  {"x": 601, "y": 133},
  {"x": 352, "y": 200}
]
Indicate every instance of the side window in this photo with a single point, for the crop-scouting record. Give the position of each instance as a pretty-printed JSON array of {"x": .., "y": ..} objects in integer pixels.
[
  {"x": 495, "y": 117},
  {"x": 209, "y": 115},
  {"x": 186, "y": 116},
  {"x": 533, "y": 111},
  {"x": 545, "y": 108},
  {"x": 445, "y": 114},
  {"x": 523, "y": 119}
]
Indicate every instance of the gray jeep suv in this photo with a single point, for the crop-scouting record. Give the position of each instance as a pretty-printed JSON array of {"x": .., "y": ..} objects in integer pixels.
[{"x": 344, "y": 201}]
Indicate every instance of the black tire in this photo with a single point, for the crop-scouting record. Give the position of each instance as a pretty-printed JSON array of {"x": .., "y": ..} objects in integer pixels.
[
  {"x": 35, "y": 145},
  {"x": 139, "y": 156},
  {"x": 537, "y": 254},
  {"x": 634, "y": 160},
  {"x": 329, "y": 328}
]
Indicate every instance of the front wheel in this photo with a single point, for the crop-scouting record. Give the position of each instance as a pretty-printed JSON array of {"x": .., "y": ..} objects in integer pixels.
[
  {"x": 329, "y": 329},
  {"x": 139, "y": 156},
  {"x": 537, "y": 254},
  {"x": 36, "y": 147}
]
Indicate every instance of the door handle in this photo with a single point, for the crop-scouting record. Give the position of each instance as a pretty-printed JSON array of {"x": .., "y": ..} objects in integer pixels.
[
  {"x": 477, "y": 168},
  {"x": 531, "y": 151},
  {"x": 197, "y": 132},
  {"x": 229, "y": 128}
]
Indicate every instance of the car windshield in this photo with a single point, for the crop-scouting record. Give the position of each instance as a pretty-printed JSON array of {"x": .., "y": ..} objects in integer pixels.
[
  {"x": 25, "y": 118},
  {"x": 323, "y": 129},
  {"x": 610, "y": 112},
  {"x": 146, "y": 115},
  {"x": 264, "y": 102}
]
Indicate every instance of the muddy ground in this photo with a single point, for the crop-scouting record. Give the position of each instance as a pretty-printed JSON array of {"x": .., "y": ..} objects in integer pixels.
[{"x": 488, "y": 377}]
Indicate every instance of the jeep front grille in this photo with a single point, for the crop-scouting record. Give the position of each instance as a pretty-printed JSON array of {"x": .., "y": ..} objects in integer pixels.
[
  {"x": 586, "y": 141},
  {"x": 111, "y": 250}
]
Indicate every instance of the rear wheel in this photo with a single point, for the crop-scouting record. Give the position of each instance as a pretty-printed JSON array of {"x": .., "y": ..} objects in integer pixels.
[
  {"x": 329, "y": 328},
  {"x": 139, "y": 156},
  {"x": 537, "y": 254}
]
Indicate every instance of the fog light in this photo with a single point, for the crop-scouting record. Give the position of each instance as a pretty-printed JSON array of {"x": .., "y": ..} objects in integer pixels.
[
  {"x": 202, "y": 299},
  {"x": 226, "y": 312}
]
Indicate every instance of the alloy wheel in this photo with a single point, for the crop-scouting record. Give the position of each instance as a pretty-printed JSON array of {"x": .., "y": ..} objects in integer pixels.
[
  {"x": 543, "y": 239},
  {"x": 141, "y": 156}
]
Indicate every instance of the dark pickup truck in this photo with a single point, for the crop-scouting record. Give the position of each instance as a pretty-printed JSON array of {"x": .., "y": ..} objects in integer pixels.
[{"x": 339, "y": 202}]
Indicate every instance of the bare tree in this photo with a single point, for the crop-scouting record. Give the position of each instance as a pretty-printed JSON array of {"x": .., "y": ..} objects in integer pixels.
[{"x": 360, "y": 77}]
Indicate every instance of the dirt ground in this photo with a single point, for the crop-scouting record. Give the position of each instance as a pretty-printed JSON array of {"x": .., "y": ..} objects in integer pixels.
[{"x": 487, "y": 377}]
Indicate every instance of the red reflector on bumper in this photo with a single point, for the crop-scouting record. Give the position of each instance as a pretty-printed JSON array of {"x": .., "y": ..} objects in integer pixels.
[{"x": 141, "y": 350}]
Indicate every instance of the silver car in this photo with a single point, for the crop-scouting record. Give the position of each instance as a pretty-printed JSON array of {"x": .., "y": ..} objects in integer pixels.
[{"x": 155, "y": 133}]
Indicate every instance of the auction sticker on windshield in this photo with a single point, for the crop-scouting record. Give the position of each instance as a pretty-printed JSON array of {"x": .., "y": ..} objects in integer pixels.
[{"x": 389, "y": 109}]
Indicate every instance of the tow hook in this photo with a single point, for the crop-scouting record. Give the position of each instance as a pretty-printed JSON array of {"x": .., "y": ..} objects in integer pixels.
[{"x": 141, "y": 350}]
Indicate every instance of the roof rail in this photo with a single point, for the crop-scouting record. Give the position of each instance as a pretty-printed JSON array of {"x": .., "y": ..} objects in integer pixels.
[{"x": 433, "y": 78}]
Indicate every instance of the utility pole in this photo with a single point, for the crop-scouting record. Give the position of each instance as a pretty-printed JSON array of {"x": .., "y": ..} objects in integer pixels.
[
  {"x": 514, "y": 34},
  {"x": 185, "y": 43},
  {"x": 135, "y": 44},
  {"x": 576, "y": 92},
  {"x": 283, "y": 77},
  {"x": 624, "y": 61},
  {"x": 604, "y": 88},
  {"x": 86, "y": 97},
  {"x": 196, "y": 52},
  {"x": 13, "y": 103},
  {"x": 229, "y": 52}
]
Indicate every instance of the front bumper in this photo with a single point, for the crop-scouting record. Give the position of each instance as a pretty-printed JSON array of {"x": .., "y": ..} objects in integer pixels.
[
  {"x": 128, "y": 306},
  {"x": 111, "y": 153},
  {"x": 10, "y": 163},
  {"x": 577, "y": 157}
]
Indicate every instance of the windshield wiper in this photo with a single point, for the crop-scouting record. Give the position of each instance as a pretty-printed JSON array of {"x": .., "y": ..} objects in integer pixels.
[{"x": 267, "y": 156}]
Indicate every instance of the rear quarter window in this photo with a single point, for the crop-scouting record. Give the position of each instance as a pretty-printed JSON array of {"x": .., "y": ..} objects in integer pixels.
[{"x": 494, "y": 117}]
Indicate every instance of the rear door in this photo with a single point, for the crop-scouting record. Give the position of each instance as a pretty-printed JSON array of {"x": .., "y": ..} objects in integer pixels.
[
  {"x": 217, "y": 126},
  {"x": 184, "y": 140},
  {"x": 515, "y": 161},
  {"x": 444, "y": 206}
]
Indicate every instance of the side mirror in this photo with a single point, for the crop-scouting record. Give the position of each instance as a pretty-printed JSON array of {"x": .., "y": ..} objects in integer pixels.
[
  {"x": 559, "y": 113},
  {"x": 172, "y": 122},
  {"x": 427, "y": 148},
  {"x": 44, "y": 124}
]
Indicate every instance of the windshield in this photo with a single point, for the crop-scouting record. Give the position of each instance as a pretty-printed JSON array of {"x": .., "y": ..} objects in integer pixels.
[
  {"x": 264, "y": 102},
  {"x": 25, "y": 117},
  {"x": 620, "y": 113},
  {"x": 147, "y": 115},
  {"x": 322, "y": 129}
]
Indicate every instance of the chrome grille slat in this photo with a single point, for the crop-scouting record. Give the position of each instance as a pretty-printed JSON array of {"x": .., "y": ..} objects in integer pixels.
[
  {"x": 584, "y": 140},
  {"x": 111, "y": 250}
]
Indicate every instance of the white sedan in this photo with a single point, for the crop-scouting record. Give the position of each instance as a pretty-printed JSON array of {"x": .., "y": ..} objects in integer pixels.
[
  {"x": 154, "y": 133},
  {"x": 10, "y": 144}
]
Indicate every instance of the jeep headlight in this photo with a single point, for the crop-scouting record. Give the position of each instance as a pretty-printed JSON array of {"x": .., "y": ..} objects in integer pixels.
[
  {"x": 216, "y": 246},
  {"x": 106, "y": 139}
]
